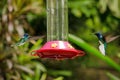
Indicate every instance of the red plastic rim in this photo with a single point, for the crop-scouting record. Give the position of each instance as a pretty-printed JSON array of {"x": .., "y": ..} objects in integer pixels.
[{"x": 58, "y": 50}]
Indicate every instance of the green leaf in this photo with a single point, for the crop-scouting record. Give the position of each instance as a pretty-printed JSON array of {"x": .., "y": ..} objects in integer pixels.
[
  {"x": 112, "y": 77},
  {"x": 59, "y": 78},
  {"x": 60, "y": 72},
  {"x": 36, "y": 45},
  {"x": 44, "y": 76},
  {"x": 26, "y": 77},
  {"x": 37, "y": 73}
]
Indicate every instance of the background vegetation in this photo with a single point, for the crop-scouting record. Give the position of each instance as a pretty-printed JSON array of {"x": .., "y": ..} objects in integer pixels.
[{"x": 85, "y": 17}]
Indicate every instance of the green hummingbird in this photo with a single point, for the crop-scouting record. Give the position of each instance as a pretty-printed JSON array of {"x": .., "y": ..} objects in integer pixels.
[
  {"x": 104, "y": 40},
  {"x": 26, "y": 37},
  {"x": 22, "y": 40}
]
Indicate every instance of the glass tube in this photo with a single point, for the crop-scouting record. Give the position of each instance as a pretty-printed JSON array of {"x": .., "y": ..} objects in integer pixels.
[{"x": 57, "y": 20}]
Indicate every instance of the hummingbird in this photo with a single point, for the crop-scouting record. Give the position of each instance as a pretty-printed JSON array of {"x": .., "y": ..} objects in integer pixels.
[
  {"x": 22, "y": 40},
  {"x": 104, "y": 40},
  {"x": 26, "y": 37}
]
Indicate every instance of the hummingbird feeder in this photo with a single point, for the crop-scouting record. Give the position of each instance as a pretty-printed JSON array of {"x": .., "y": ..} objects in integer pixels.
[{"x": 57, "y": 45}]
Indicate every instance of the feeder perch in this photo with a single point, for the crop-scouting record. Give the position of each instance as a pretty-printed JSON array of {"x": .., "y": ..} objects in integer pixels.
[{"x": 57, "y": 45}]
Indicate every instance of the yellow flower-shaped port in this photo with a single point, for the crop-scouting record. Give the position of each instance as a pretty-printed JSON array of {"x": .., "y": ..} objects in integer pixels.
[
  {"x": 54, "y": 45},
  {"x": 69, "y": 46}
]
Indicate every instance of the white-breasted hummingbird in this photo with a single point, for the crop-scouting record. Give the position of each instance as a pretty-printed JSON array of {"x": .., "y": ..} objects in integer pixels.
[{"x": 104, "y": 40}]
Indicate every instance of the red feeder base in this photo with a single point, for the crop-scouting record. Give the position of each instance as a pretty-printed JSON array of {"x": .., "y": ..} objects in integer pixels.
[{"x": 58, "y": 50}]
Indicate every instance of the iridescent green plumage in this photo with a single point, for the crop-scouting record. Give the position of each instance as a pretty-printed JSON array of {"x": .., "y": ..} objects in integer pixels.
[{"x": 22, "y": 40}]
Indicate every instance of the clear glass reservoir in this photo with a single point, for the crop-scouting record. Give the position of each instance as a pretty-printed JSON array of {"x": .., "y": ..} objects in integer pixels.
[{"x": 57, "y": 20}]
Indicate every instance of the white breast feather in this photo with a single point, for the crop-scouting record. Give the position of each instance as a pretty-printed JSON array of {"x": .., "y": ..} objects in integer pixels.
[{"x": 101, "y": 48}]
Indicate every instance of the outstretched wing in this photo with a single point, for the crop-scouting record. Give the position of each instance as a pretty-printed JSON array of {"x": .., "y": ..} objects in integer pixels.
[
  {"x": 111, "y": 38},
  {"x": 32, "y": 39},
  {"x": 36, "y": 37}
]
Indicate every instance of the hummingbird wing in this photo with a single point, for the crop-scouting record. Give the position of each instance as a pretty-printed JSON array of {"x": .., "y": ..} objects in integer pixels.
[
  {"x": 36, "y": 37},
  {"x": 102, "y": 48},
  {"x": 111, "y": 38},
  {"x": 32, "y": 39}
]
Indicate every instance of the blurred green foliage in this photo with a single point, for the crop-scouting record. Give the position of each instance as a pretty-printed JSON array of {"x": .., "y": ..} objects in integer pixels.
[{"x": 85, "y": 18}]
